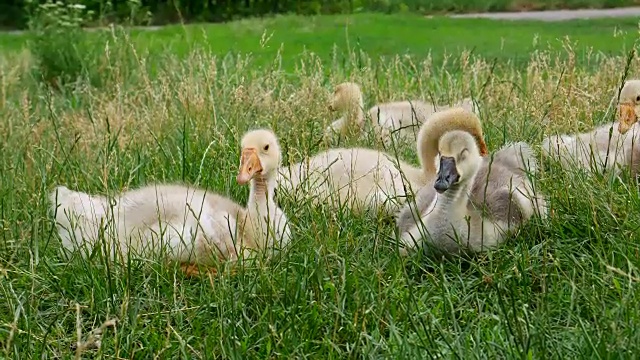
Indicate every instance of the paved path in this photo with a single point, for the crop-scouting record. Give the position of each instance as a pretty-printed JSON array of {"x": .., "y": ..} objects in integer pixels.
[{"x": 558, "y": 15}]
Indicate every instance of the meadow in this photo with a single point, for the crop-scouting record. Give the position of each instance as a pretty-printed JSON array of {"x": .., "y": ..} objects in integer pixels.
[
  {"x": 377, "y": 35},
  {"x": 171, "y": 105}
]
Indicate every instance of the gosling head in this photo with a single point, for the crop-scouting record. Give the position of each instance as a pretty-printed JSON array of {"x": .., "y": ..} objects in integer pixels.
[
  {"x": 459, "y": 159},
  {"x": 260, "y": 155},
  {"x": 345, "y": 96},
  {"x": 629, "y": 105}
]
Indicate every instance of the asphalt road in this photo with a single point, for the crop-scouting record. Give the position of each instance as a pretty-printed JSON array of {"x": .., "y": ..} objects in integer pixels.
[{"x": 558, "y": 15}]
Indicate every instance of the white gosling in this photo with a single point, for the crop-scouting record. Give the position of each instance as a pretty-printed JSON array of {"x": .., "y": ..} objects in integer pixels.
[
  {"x": 629, "y": 105},
  {"x": 189, "y": 224},
  {"x": 400, "y": 118},
  {"x": 260, "y": 161},
  {"x": 365, "y": 179},
  {"x": 475, "y": 202},
  {"x": 184, "y": 223},
  {"x": 610, "y": 147}
]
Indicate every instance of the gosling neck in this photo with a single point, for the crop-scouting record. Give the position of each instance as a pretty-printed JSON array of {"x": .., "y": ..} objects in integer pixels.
[
  {"x": 260, "y": 208},
  {"x": 455, "y": 199},
  {"x": 261, "y": 191},
  {"x": 428, "y": 150},
  {"x": 354, "y": 113}
]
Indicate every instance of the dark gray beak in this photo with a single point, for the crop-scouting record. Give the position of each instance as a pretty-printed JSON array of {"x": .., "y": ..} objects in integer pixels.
[{"x": 447, "y": 174}]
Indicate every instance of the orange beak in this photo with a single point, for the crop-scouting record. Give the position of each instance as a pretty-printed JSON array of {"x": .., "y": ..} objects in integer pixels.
[
  {"x": 627, "y": 116},
  {"x": 249, "y": 165}
]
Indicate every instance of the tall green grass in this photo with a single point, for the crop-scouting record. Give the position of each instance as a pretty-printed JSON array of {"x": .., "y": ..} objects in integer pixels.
[{"x": 566, "y": 287}]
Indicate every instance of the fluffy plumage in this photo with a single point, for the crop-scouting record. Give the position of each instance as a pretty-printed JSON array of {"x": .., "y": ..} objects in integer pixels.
[
  {"x": 474, "y": 202},
  {"x": 400, "y": 119},
  {"x": 610, "y": 147},
  {"x": 366, "y": 179},
  {"x": 186, "y": 224}
]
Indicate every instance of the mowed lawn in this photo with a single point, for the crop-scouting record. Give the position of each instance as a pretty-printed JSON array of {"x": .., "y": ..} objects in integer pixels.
[
  {"x": 382, "y": 35},
  {"x": 564, "y": 287}
]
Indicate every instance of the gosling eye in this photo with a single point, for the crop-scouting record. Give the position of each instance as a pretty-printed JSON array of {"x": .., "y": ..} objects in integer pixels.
[
  {"x": 266, "y": 147},
  {"x": 463, "y": 154},
  {"x": 638, "y": 98}
]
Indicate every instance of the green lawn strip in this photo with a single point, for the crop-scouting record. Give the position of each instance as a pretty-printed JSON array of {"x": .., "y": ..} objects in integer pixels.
[{"x": 381, "y": 35}]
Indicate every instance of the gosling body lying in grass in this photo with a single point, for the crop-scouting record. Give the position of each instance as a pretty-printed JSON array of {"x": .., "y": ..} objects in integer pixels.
[
  {"x": 475, "y": 202},
  {"x": 603, "y": 149},
  {"x": 610, "y": 147},
  {"x": 365, "y": 179},
  {"x": 186, "y": 224},
  {"x": 401, "y": 118}
]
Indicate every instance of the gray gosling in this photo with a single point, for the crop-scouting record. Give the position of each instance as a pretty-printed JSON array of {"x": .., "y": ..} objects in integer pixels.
[{"x": 475, "y": 202}]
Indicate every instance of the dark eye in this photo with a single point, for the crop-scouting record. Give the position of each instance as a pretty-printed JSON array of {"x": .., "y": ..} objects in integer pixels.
[
  {"x": 266, "y": 147},
  {"x": 638, "y": 98}
]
